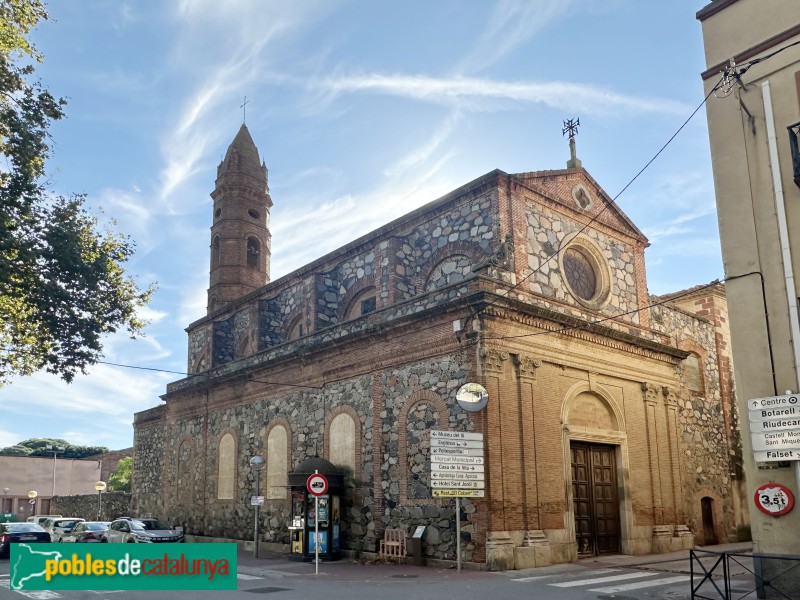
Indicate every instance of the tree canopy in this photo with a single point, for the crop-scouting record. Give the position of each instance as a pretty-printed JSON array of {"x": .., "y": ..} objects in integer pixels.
[
  {"x": 120, "y": 479},
  {"x": 62, "y": 282},
  {"x": 38, "y": 447}
]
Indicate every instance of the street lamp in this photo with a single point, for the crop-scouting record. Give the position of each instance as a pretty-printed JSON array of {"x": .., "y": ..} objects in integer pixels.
[
  {"x": 257, "y": 463},
  {"x": 55, "y": 450},
  {"x": 32, "y": 499},
  {"x": 100, "y": 486}
]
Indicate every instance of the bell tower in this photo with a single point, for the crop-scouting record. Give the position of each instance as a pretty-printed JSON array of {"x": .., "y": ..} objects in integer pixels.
[{"x": 240, "y": 238}]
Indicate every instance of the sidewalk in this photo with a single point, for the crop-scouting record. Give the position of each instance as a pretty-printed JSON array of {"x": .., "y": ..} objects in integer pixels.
[{"x": 278, "y": 566}]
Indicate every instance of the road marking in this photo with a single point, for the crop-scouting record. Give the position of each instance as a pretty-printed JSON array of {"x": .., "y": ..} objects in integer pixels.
[
  {"x": 602, "y": 579},
  {"x": 524, "y": 579},
  {"x": 641, "y": 584},
  {"x": 584, "y": 573},
  {"x": 246, "y": 577}
]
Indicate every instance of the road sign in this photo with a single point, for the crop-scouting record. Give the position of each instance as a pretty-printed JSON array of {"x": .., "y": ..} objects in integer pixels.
[
  {"x": 256, "y": 500},
  {"x": 460, "y": 460},
  {"x": 774, "y": 499},
  {"x": 776, "y": 440},
  {"x": 443, "y": 443},
  {"x": 448, "y": 467},
  {"x": 456, "y": 475},
  {"x": 457, "y": 493},
  {"x": 457, "y": 484},
  {"x": 456, "y": 435},
  {"x": 317, "y": 484},
  {"x": 777, "y": 455},
  {"x": 457, "y": 451},
  {"x": 773, "y": 402}
]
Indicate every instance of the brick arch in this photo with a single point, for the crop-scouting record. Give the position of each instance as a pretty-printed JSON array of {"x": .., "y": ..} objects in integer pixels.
[
  {"x": 368, "y": 281},
  {"x": 351, "y": 412},
  {"x": 402, "y": 445},
  {"x": 274, "y": 423},
  {"x": 460, "y": 248},
  {"x": 695, "y": 348},
  {"x": 235, "y": 435},
  {"x": 289, "y": 320}
]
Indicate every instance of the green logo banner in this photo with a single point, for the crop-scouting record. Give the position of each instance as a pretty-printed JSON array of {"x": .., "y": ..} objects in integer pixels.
[{"x": 123, "y": 567}]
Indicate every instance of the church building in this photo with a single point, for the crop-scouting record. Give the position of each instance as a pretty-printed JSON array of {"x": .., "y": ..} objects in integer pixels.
[{"x": 610, "y": 425}]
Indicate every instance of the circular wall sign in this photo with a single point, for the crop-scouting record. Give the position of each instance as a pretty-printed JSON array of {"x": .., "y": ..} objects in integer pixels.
[
  {"x": 774, "y": 499},
  {"x": 317, "y": 484},
  {"x": 472, "y": 397}
]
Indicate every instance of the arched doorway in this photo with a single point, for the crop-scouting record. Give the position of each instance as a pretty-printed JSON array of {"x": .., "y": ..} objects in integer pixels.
[{"x": 707, "y": 511}]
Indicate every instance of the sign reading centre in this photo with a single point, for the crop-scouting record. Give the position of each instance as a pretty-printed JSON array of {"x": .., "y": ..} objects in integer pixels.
[
  {"x": 457, "y": 469},
  {"x": 775, "y": 427}
]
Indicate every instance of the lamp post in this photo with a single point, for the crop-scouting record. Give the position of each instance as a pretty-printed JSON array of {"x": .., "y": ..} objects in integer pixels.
[
  {"x": 257, "y": 463},
  {"x": 55, "y": 450},
  {"x": 32, "y": 499},
  {"x": 100, "y": 486}
]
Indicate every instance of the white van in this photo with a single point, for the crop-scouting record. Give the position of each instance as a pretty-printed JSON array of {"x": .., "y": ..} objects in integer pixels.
[{"x": 39, "y": 519}]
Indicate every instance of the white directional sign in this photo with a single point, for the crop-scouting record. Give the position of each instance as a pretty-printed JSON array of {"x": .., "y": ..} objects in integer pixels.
[
  {"x": 462, "y": 460},
  {"x": 457, "y": 469},
  {"x": 775, "y": 427},
  {"x": 457, "y": 493},
  {"x": 456, "y": 435},
  {"x": 776, "y": 440},
  {"x": 435, "y": 466},
  {"x": 443, "y": 443},
  {"x": 457, "y": 484}
]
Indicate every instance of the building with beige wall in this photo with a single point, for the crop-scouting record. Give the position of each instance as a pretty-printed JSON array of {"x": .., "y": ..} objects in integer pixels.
[
  {"x": 48, "y": 477},
  {"x": 609, "y": 424},
  {"x": 752, "y": 52}
]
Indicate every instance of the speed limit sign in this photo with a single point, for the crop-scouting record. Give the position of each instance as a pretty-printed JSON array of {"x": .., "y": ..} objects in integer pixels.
[{"x": 317, "y": 484}]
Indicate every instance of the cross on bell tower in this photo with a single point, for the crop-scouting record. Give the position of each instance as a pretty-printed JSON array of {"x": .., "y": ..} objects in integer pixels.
[{"x": 571, "y": 128}]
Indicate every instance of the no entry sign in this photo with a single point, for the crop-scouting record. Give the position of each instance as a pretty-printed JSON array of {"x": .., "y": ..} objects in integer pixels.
[{"x": 317, "y": 484}]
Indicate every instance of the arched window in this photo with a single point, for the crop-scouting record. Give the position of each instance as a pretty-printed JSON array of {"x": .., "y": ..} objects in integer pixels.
[
  {"x": 364, "y": 303},
  {"x": 453, "y": 269},
  {"x": 277, "y": 463},
  {"x": 226, "y": 467},
  {"x": 253, "y": 252},
  {"x": 342, "y": 434},
  {"x": 694, "y": 375},
  {"x": 296, "y": 329}
]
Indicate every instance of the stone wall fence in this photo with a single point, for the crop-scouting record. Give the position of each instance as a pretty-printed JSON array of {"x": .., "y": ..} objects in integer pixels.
[{"x": 114, "y": 505}]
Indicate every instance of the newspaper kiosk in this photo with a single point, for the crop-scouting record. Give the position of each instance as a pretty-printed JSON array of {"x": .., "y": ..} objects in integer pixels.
[{"x": 303, "y": 517}]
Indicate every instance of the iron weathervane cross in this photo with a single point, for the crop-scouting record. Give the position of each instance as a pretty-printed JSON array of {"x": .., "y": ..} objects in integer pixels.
[{"x": 571, "y": 127}]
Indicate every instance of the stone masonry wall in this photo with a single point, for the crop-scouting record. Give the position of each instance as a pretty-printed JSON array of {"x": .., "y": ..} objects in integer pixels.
[{"x": 112, "y": 506}]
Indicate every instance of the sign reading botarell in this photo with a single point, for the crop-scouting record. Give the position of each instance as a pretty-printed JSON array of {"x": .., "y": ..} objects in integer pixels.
[
  {"x": 123, "y": 567},
  {"x": 775, "y": 427},
  {"x": 457, "y": 464}
]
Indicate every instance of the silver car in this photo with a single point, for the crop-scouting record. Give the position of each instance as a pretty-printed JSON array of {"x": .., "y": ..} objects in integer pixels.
[
  {"x": 147, "y": 530},
  {"x": 58, "y": 528}
]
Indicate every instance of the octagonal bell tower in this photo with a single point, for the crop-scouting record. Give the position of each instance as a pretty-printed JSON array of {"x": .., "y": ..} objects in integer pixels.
[{"x": 240, "y": 238}]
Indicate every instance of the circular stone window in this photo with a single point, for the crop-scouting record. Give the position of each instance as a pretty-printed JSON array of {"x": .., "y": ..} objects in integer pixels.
[
  {"x": 253, "y": 213},
  {"x": 581, "y": 197},
  {"x": 585, "y": 273}
]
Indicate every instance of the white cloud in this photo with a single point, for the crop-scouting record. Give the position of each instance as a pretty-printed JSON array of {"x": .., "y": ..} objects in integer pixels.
[{"x": 8, "y": 438}]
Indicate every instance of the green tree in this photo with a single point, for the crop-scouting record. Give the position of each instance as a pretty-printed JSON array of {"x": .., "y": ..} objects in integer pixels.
[
  {"x": 120, "y": 479},
  {"x": 39, "y": 447},
  {"x": 62, "y": 283}
]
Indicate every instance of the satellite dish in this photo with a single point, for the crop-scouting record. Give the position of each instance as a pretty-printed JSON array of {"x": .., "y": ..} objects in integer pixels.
[{"x": 472, "y": 397}]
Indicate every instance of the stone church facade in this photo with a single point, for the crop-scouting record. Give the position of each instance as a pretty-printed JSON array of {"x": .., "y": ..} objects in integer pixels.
[{"x": 611, "y": 415}]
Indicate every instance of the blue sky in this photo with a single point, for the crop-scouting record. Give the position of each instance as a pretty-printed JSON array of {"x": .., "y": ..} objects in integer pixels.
[{"x": 363, "y": 111}]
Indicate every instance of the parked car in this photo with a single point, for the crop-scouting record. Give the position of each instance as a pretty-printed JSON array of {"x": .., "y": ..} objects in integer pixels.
[
  {"x": 145, "y": 530},
  {"x": 14, "y": 533},
  {"x": 58, "y": 527},
  {"x": 86, "y": 532},
  {"x": 40, "y": 519}
]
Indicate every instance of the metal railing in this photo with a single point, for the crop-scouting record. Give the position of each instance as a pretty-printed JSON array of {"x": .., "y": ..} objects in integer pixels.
[{"x": 762, "y": 576}]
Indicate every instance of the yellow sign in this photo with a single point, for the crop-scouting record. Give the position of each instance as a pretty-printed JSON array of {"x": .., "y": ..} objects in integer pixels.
[{"x": 457, "y": 493}]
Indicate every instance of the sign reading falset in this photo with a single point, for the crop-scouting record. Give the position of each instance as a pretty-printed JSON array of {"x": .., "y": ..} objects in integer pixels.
[
  {"x": 457, "y": 469},
  {"x": 123, "y": 567},
  {"x": 775, "y": 427}
]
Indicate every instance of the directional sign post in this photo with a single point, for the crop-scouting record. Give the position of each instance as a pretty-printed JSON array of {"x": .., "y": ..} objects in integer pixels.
[
  {"x": 775, "y": 427},
  {"x": 457, "y": 471}
]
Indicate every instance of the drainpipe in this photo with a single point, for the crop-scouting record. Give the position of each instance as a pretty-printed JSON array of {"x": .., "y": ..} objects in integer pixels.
[{"x": 783, "y": 236}]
